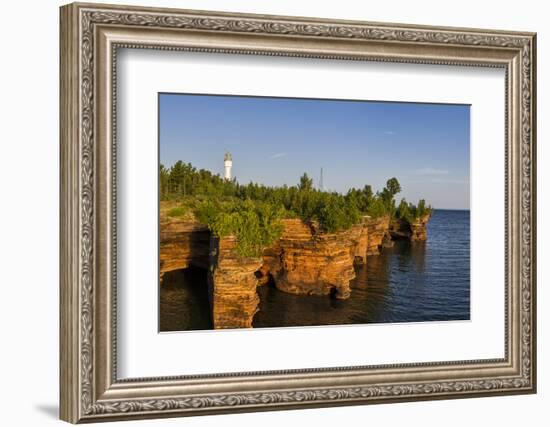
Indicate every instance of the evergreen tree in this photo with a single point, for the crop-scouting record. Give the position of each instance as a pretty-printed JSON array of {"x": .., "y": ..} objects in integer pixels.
[{"x": 306, "y": 183}]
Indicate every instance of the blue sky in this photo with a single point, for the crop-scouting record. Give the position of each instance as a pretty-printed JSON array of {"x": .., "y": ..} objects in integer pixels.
[{"x": 275, "y": 140}]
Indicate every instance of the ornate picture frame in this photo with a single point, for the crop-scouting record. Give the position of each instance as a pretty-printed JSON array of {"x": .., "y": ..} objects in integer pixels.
[{"x": 90, "y": 37}]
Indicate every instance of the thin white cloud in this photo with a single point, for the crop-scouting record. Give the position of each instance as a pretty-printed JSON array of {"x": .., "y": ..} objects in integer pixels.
[
  {"x": 389, "y": 132},
  {"x": 431, "y": 171},
  {"x": 278, "y": 155}
]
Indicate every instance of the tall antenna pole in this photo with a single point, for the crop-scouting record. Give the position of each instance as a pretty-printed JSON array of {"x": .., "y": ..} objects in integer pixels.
[{"x": 321, "y": 186}]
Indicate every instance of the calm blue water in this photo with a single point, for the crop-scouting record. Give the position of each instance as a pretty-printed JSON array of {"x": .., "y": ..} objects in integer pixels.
[{"x": 411, "y": 282}]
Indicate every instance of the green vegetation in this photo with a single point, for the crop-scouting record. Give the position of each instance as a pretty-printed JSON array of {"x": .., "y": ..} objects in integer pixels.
[
  {"x": 178, "y": 212},
  {"x": 255, "y": 224},
  {"x": 410, "y": 213},
  {"x": 252, "y": 212}
]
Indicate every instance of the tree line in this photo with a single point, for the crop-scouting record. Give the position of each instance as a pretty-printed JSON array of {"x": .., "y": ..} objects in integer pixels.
[{"x": 252, "y": 211}]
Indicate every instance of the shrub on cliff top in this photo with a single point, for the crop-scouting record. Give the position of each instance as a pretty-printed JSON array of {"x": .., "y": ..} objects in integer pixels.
[
  {"x": 377, "y": 208},
  {"x": 332, "y": 210},
  {"x": 183, "y": 208},
  {"x": 254, "y": 224},
  {"x": 335, "y": 213},
  {"x": 178, "y": 212},
  {"x": 410, "y": 213}
]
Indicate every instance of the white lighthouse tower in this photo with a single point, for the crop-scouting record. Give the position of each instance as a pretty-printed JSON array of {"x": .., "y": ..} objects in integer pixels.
[{"x": 227, "y": 163}]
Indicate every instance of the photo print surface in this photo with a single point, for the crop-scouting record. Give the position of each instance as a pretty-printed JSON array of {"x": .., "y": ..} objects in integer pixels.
[{"x": 285, "y": 212}]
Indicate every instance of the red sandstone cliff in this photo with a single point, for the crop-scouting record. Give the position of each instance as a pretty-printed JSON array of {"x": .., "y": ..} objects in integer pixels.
[
  {"x": 362, "y": 245},
  {"x": 418, "y": 228},
  {"x": 308, "y": 262},
  {"x": 377, "y": 232},
  {"x": 415, "y": 231},
  {"x": 303, "y": 261},
  {"x": 183, "y": 243}
]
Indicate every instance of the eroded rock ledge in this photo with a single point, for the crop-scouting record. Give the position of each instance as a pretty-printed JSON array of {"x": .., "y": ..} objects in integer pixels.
[
  {"x": 183, "y": 243},
  {"x": 307, "y": 262}
]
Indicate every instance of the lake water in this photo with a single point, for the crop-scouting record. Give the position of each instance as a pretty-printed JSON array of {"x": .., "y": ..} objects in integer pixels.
[{"x": 410, "y": 282}]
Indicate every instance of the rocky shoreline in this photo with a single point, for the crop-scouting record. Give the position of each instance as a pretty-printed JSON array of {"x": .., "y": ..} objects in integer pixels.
[{"x": 303, "y": 261}]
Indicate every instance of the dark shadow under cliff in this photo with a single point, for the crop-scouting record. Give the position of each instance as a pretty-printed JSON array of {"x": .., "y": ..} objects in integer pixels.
[{"x": 184, "y": 300}]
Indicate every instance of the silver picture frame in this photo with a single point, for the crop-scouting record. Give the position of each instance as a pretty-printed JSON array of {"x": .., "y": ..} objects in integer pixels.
[{"x": 90, "y": 37}]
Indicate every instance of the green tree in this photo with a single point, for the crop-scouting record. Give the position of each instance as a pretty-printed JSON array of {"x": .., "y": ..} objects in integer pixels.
[
  {"x": 388, "y": 193},
  {"x": 410, "y": 213},
  {"x": 306, "y": 183},
  {"x": 367, "y": 191},
  {"x": 249, "y": 210},
  {"x": 377, "y": 207},
  {"x": 177, "y": 175},
  {"x": 393, "y": 187},
  {"x": 403, "y": 211},
  {"x": 164, "y": 179},
  {"x": 336, "y": 214},
  {"x": 421, "y": 208},
  {"x": 255, "y": 224}
]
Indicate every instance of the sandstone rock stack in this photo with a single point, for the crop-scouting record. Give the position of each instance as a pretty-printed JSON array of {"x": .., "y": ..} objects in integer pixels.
[
  {"x": 232, "y": 285},
  {"x": 418, "y": 229},
  {"x": 415, "y": 231},
  {"x": 377, "y": 232},
  {"x": 362, "y": 246}
]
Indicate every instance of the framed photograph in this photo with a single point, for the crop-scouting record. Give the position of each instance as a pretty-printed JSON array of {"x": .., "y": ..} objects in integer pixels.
[{"x": 266, "y": 212}]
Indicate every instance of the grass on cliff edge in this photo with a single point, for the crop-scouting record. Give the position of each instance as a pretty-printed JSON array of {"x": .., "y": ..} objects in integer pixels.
[{"x": 183, "y": 208}]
